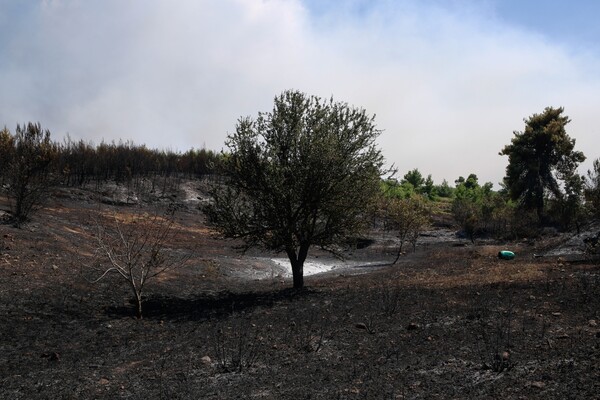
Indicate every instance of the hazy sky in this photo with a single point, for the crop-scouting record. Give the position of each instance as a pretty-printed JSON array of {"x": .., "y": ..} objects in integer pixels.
[{"x": 449, "y": 80}]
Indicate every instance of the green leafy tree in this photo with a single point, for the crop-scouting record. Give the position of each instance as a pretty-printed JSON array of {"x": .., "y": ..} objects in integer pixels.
[
  {"x": 429, "y": 188},
  {"x": 444, "y": 189},
  {"x": 392, "y": 188},
  {"x": 539, "y": 158},
  {"x": 415, "y": 178},
  {"x": 465, "y": 207},
  {"x": 472, "y": 182},
  {"x": 474, "y": 205},
  {"x": 304, "y": 174}
]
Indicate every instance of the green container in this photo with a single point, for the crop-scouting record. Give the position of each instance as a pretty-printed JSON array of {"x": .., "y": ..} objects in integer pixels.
[{"x": 506, "y": 255}]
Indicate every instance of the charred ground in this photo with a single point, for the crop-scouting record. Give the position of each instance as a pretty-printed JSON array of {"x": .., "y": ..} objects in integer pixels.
[{"x": 446, "y": 322}]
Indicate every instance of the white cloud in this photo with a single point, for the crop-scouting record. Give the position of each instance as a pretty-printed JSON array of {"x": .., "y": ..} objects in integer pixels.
[{"x": 448, "y": 85}]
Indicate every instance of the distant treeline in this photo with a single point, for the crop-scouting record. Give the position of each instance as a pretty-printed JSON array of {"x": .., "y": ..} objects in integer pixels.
[{"x": 77, "y": 163}]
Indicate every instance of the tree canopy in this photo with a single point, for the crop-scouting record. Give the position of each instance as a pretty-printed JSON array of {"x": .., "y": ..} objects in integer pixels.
[
  {"x": 474, "y": 205},
  {"x": 414, "y": 177},
  {"x": 539, "y": 158},
  {"x": 304, "y": 174}
]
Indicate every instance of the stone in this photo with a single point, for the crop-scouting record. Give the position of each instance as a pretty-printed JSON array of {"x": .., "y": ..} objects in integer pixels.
[
  {"x": 413, "y": 326},
  {"x": 206, "y": 360},
  {"x": 538, "y": 385},
  {"x": 51, "y": 356}
]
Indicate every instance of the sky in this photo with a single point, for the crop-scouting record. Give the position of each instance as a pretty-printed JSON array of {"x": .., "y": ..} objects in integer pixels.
[{"x": 447, "y": 80}]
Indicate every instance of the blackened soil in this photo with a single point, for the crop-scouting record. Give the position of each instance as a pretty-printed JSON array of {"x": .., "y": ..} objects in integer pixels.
[{"x": 445, "y": 322}]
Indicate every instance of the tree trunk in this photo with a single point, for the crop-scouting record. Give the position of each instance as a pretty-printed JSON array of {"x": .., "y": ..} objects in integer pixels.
[
  {"x": 297, "y": 262},
  {"x": 539, "y": 202},
  {"x": 398, "y": 254},
  {"x": 138, "y": 298},
  {"x": 540, "y": 214},
  {"x": 138, "y": 302},
  {"x": 298, "y": 273}
]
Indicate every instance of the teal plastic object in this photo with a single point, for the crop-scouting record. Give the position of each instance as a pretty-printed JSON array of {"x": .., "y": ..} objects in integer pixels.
[{"x": 506, "y": 255}]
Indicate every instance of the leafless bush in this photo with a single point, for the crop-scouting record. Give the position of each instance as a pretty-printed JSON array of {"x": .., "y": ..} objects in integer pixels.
[
  {"x": 237, "y": 346},
  {"x": 407, "y": 218},
  {"x": 588, "y": 286},
  {"x": 134, "y": 246},
  {"x": 172, "y": 376},
  {"x": 495, "y": 335},
  {"x": 592, "y": 245},
  {"x": 311, "y": 334},
  {"x": 388, "y": 298}
]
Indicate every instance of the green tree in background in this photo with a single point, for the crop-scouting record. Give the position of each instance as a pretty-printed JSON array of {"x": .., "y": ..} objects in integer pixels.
[
  {"x": 415, "y": 178},
  {"x": 539, "y": 159},
  {"x": 476, "y": 207},
  {"x": 429, "y": 188},
  {"x": 392, "y": 188},
  {"x": 305, "y": 174},
  {"x": 444, "y": 189},
  {"x": 411, "y": 184}
]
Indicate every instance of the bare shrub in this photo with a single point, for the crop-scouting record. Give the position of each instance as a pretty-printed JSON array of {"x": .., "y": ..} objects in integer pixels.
[
  {"x": 311, "y": 334},
  {"x": 135, "y": 247},
  {"x": 592, "y": 245},
  {"x": 388, "y": 297},
  {"x": 407, "y": 218},
  {"x": 495, "y": 331},
  {"x": 588, "y": 286},
  {"x": 237, "y": 346}
]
